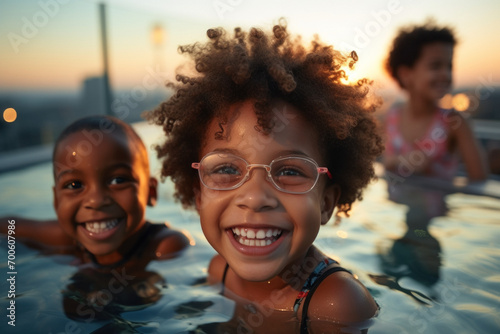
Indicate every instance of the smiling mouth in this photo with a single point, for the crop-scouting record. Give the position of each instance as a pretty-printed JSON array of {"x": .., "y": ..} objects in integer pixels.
[
  {"x": 256, "y": 237},
  {"x": 101, "y": 226}
]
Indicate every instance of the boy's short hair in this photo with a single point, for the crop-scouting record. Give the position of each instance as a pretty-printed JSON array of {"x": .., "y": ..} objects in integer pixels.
[
  {"x": 408, "y": 44},
  {"x": 263, "y": 67},
  {"x": 105, "y": 125}
]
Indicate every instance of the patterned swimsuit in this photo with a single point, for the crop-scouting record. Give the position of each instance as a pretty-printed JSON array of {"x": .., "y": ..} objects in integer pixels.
[{"x": 434, "y": 144}]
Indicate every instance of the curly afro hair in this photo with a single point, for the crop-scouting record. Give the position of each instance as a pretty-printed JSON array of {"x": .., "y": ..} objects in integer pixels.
[
  {"x": 263, "y": 67},
  {"x": 408, "y": 44}
]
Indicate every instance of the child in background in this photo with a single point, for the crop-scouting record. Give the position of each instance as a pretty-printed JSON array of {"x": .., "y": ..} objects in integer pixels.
[
  {"x": 423, "y": 139},
  {"x": 276, "y": 142},
  {"x": 101, "y": 189}
]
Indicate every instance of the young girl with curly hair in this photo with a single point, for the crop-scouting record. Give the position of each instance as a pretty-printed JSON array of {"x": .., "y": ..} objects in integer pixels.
[
  {"x": 265, "y": 139},
  {"x": 422, "y": 138}
]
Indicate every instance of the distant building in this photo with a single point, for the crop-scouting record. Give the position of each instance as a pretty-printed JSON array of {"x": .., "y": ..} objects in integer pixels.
[{"x": 92, "y": 99}]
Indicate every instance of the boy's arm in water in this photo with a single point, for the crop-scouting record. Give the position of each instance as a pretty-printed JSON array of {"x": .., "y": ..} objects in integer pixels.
[{"x": 37, "y": 234}]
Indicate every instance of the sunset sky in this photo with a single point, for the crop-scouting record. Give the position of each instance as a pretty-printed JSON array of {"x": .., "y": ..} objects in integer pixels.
[{"x": 55, "y": 44}]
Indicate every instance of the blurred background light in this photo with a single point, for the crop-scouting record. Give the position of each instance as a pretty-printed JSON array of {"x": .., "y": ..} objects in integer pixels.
[
  {"x": 446, "y": 101},
  {"x": 9, "y": 115},
  {"x": 460, "y": 102}
]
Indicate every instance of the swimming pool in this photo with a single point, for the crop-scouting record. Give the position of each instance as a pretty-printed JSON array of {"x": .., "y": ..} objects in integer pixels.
[{"x": 443, "y": 277}]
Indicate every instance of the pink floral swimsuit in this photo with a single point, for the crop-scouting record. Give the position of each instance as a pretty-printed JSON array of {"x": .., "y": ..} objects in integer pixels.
[{"x": 434, "y": 145}]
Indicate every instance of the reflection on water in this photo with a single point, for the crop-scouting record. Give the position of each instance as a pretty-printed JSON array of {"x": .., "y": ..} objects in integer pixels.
[
  {"x": 449, "y": 280},
  {"x": 97, "y": 294},
  {"x": 417, "y": 253}
]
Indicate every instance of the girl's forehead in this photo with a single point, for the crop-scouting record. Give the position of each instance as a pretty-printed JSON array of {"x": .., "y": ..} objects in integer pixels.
[
  {"x": 240, "y": 131},
  {"x": 437, "y": 50},
  {"x": 283, "y": 116}
]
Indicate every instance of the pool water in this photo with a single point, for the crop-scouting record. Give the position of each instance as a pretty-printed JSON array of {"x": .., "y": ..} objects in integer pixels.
[{"x": 431, "y": 260}]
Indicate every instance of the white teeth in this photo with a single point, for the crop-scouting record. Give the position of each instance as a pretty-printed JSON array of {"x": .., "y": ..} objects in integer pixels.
[
  {"x": 255, "y": 234},
  {"x": 99, "y": 227},
  {"x": 253, "y": 242},
  {"x": 261, "y": 234},
  {"x": 260, "y": 238}
]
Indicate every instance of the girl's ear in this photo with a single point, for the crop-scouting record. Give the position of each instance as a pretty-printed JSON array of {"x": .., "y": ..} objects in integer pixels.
[
  {"x": 153, "y": 191},
  {"x": 197, "y": 198},
  {"x": 55, "y": 203},
  {"x": 405, "y": 75},
  {"x": 331, "y": 195}
]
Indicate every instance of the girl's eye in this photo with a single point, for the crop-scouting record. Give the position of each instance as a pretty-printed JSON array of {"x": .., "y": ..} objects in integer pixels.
[
  {"x": 436, "y": 65},
  {"x": 223, "y": 175},
  {"x": 73, "y": 185},
  {"x": 287, "y": 171},
  {"x": 227, "y": 169},
  {"x": 118, "y": 180}
]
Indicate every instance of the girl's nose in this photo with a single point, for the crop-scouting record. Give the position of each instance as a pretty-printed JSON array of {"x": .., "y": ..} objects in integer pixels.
[
  {"x": 96, "y": 197},
  {"x": 257, "y": 193}
]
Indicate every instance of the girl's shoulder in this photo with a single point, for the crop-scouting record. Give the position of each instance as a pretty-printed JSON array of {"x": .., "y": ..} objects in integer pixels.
[
  {"x": 342, "y": 298},
  {"x": 392, "y": 116},
  {"x": 395, "y": 109}
]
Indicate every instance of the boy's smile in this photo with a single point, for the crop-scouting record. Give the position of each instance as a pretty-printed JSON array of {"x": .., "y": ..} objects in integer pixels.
[
  {"x": 101, "y": 191},
  {"x": 258, "y": 229},
  {"x": 101, "y": 229}
]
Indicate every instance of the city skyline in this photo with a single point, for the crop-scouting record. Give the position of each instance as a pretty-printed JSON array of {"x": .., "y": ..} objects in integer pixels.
[{"x": 55, "y": 44}]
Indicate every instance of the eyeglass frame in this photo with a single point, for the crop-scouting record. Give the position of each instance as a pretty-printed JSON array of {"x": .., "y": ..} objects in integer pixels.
[{"x": 249, "y": 167}]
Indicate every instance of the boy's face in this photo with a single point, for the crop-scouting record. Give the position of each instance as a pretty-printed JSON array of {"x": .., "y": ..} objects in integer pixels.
[
  {"x": 430, "y": 77},
  {"x": 257, "y": 206},
  {"x": 101, "y": 189}
]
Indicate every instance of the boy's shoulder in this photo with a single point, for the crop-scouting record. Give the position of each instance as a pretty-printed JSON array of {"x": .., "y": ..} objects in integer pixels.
[
  {"x": 166, "y": 241},
  {"x": 216, "y": 269},
  {"x": 342, "y": 298}
]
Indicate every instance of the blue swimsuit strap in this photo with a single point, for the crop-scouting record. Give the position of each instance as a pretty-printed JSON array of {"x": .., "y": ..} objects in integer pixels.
[
  {"x": 224, "y": 278},
  {"x": 318, "y": 271},
  {"x": 312, "y": 286}
]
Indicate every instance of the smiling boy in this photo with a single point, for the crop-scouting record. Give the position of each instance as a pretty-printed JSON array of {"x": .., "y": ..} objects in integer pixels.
[{"x": 101, "y": 189}]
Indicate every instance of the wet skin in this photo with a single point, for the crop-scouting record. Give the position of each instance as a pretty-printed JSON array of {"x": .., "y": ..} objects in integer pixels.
[{"x": 288, "y": 223}]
